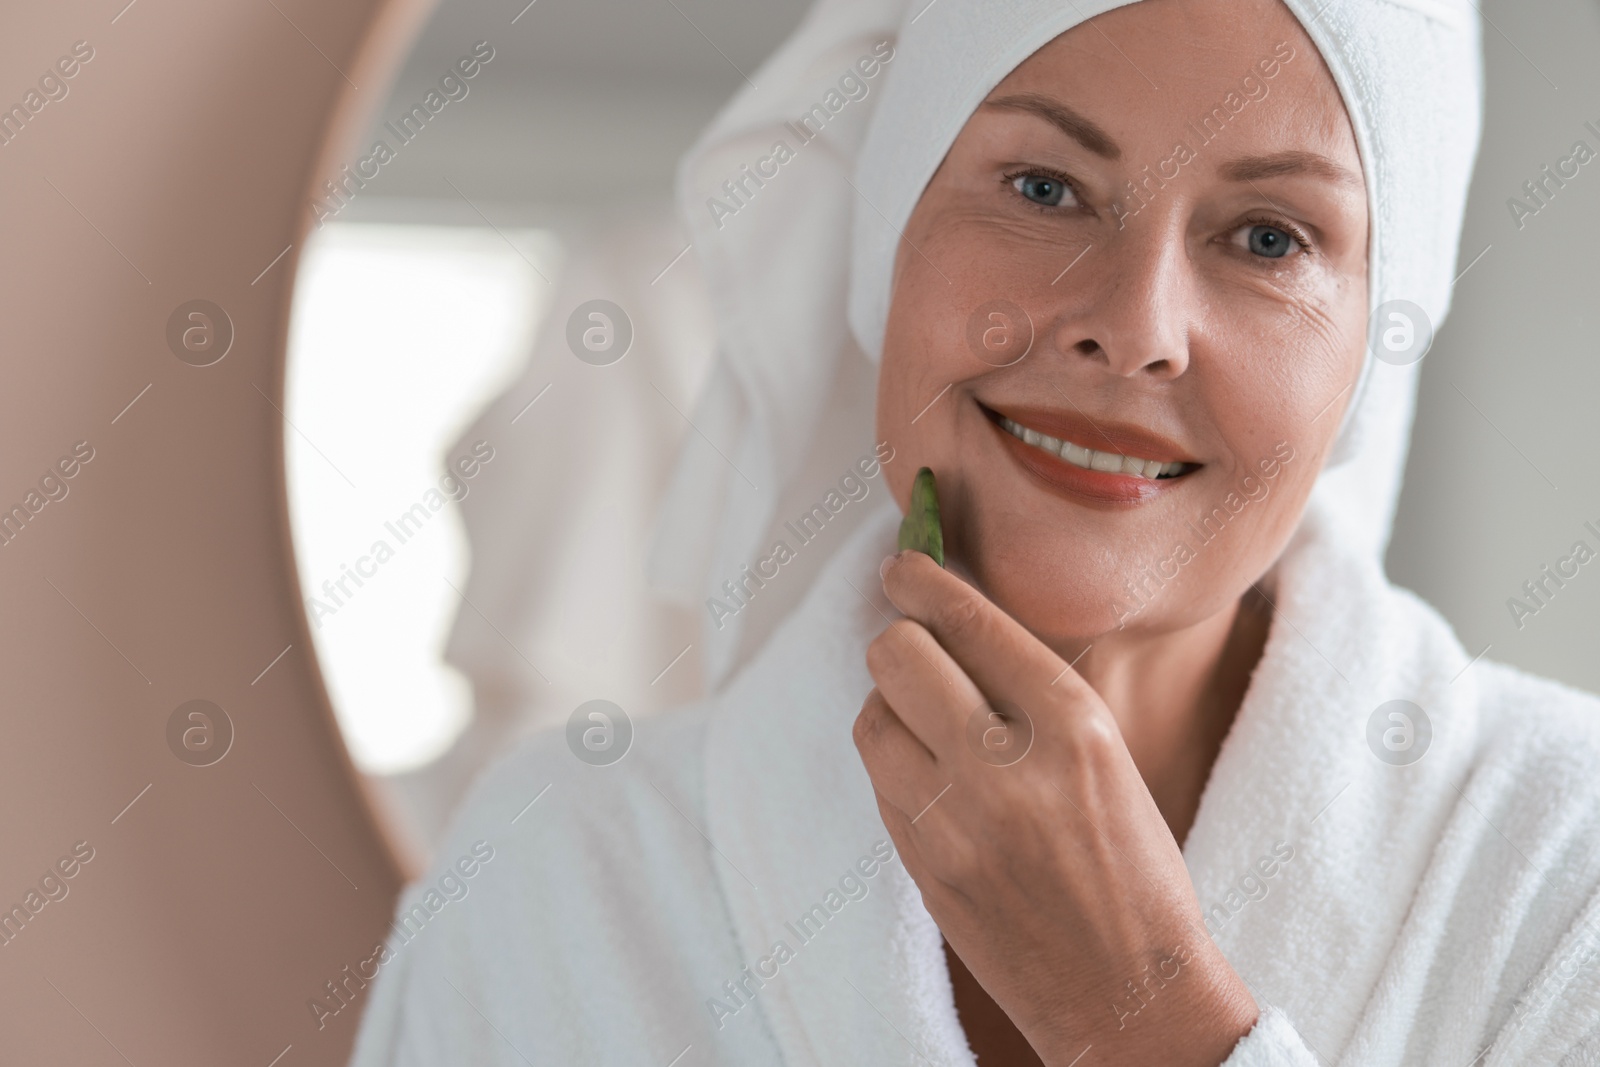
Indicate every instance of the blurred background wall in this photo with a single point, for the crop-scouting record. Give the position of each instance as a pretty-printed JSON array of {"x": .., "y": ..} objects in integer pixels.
[{"x": 1503, "y": 475}]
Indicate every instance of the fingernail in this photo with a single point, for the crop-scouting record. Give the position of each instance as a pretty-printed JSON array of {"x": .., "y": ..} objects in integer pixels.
[{"x": 883, "y": 568}]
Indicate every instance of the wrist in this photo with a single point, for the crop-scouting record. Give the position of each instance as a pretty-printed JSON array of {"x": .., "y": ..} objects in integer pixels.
[{"x": 1190, "y": 1009}]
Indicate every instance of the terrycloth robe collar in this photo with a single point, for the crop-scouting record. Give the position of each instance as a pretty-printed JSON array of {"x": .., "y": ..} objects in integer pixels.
[{"x": 790, "y": 803}]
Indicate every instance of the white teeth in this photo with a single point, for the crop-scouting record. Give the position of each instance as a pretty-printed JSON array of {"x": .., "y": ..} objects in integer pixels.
[{"x": 1088, "y": 458}]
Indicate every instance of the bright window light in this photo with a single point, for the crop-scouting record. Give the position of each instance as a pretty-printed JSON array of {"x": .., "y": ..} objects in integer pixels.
[{"x": 400, "y": 335}]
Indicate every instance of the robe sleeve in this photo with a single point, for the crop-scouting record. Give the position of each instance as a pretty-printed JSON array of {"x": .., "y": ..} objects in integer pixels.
[{"x": 1272, "y": 1042}]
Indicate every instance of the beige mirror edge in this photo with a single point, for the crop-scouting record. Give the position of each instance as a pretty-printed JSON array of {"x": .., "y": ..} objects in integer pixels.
[
  {"x": 192, "y": 868},
  {"x": 391, "y": 33}
]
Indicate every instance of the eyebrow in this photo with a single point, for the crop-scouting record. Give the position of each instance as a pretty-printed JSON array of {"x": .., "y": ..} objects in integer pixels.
[
  {"x": 1250, "y": 168},
  {"x": 1062, "y": 118}
]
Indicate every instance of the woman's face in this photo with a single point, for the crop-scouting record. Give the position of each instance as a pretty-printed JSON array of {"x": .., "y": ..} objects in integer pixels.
[{"x": 1149, "y": 243}]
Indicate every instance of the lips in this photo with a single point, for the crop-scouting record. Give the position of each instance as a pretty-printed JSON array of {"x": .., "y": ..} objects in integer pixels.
[
  {"x": 1091, "y": 461},
  {"x": 1101, "y": 435}
]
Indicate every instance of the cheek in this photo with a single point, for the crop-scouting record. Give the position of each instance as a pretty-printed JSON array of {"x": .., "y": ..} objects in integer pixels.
[
  {"x": 1282, "y": 370},
  {"x": 900, "y": 378},
  {"x": 924, "y": 367},
  {"x": 1267, "y": 394},
  {"x": 1276, "y": 382}
]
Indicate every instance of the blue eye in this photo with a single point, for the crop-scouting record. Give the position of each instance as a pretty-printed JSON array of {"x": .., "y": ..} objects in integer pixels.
[
  {"x": 1040, "y": 188},
  {"x": 1269, "y": 241}
]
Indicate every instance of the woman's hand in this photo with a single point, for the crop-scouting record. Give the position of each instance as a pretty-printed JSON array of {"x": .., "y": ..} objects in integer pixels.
[{"x": 1033, "y": 838}]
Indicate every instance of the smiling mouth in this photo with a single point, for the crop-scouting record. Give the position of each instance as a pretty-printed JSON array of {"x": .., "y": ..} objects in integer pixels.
[{"x": 1090, "y": 459}]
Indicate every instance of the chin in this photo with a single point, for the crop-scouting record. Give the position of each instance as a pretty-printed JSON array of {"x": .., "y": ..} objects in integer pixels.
[{"x": 1071, "y": 586}]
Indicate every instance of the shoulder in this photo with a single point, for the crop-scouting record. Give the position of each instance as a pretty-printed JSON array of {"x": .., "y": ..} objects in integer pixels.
[
  {"x": 1532, "y": 785},
  {"x": 1537, "y": 727},
  {"x": 1523, "y": 725}
]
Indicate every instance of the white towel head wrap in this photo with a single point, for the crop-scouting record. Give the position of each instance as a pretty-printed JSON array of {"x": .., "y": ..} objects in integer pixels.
[{"x": 812, "y": 246}]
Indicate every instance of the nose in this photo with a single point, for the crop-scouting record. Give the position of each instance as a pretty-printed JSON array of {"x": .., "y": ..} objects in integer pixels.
[{"x": 1135, "y": 308}]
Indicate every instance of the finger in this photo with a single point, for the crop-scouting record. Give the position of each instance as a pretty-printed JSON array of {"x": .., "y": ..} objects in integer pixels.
[
  {"x": 901, "y": 768},
  {"x": 995, "y": 651},
  {"x": 926, "y": 688}
]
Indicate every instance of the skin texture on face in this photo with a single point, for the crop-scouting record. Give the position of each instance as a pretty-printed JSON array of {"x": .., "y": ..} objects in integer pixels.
[{"x": 1218, "y": 303}]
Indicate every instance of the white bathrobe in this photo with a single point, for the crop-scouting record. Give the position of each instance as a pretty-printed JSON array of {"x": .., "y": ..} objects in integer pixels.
[{"x": 1440, "y": 913}]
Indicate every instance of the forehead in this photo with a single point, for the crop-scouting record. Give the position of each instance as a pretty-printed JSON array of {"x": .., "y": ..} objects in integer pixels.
[{"x": 1149, "y": 69}]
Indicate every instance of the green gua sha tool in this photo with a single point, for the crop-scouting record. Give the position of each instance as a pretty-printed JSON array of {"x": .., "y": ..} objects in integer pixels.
[{"x": 920, "y": 528}]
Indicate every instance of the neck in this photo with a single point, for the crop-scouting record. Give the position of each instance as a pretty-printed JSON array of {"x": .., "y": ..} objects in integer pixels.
[{"x": 1174, "y": 694}]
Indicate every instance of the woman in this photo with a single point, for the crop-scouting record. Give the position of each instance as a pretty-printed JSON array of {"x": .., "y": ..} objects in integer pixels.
[{"x": 1161, "y": 770}]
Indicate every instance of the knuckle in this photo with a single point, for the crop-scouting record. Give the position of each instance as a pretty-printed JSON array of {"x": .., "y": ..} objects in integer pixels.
[
  {"x": 880, "y": 654},
  {"x": 869, "y": 723},
  {"x": 900, "y": 637},
  {"x": 962, "y": 617},
  {"x": 1094, "y": 735}
]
